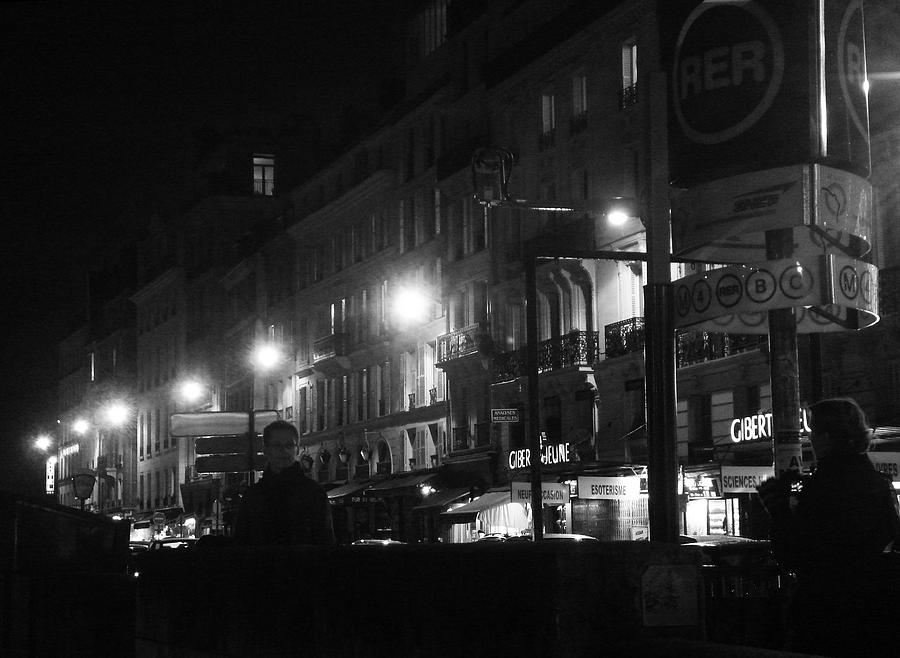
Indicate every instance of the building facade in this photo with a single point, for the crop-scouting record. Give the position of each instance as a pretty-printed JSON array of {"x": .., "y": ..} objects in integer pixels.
[{"x": 397, "y": 302}]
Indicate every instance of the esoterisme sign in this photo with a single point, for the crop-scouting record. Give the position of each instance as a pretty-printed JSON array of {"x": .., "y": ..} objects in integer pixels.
[{"x": 607, "y": 488}]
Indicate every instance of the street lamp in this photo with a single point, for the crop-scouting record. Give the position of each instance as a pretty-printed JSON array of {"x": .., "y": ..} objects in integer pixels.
[
  {"x": 43, "y": 442},
  {"x": 83, "y": 484},
  {"x": 491, "y": 170}
]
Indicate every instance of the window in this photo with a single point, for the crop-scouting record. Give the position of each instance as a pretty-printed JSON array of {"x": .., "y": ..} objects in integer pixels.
[
  {"x": 264, "y": 175},
  {"x": 548, "y": 120},
  {"x": 629, "y": 74},
  {"x": 428, "y": 29},
  {"x": 579, "y": 94},
  {"x": 579, "y": 104}
]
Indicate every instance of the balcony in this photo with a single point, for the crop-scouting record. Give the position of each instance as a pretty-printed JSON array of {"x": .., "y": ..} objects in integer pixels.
[
  {"x": 577, "y": 348},
  {"x": 694, "y": 347},
  {"x": 330, "y": 354},
  {"x": 624, "y": 337},
  {"x": 459, "y": 343},
  {"x": 627, "y": 96}
]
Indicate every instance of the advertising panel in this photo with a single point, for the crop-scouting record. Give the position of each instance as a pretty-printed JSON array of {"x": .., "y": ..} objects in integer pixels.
[
  {"x": 760, "y": 84},
  {"x": 744, "y": 479},
  {"x": 887, "y": 463},
  {"x": 833, "y": 294},
  {"x": 599, "y": 488},
  {"x": 552, "y": 493}
]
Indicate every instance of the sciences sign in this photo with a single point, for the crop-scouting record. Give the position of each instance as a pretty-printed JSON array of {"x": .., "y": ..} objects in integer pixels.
[{"x": 745, "y": 86}]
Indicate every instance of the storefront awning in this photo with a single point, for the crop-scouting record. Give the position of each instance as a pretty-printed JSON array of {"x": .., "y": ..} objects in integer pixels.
[
  {"x": 398, "y": 486},
  {"x": 441, "y": 499},
  {"x": 467, "y": 513},
  {"x": 340, "y": 494}
]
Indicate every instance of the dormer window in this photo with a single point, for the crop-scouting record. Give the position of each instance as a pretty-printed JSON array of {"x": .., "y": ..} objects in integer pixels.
[{"x": 264, "y": 175}]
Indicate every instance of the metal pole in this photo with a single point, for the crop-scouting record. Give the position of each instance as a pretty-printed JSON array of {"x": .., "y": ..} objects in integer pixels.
[
  {"x": 784, "y": 370},
  {"x": 534, "y": 400},
  {"x": 661, "y": 440},
  {"x": 660, "y": 331}
]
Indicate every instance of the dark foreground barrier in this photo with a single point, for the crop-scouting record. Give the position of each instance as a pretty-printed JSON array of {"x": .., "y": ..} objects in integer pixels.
[
  {"x": 63, "y": 591},
  {"x": 501, "y": 599}
]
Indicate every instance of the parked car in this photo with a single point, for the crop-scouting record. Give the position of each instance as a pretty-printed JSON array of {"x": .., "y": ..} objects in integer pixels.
[
  {"x": 172, "y": 542},
  {"x": 729, "y": 550}
]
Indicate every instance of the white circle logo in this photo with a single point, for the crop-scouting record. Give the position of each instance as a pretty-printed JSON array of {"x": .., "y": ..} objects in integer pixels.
[{"x": 702, "y": 79}]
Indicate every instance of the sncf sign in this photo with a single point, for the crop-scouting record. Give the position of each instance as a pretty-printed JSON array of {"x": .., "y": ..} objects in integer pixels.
[{"x": 729, "y": 66}]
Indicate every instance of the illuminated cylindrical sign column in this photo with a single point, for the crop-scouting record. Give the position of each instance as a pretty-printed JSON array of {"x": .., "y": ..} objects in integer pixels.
[{"x": 769, "y": 145}]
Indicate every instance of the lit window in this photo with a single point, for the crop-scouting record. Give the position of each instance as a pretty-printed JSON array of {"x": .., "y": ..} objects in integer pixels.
[
  {"x": 579, "y": 95},
  {"x": 548, "y": 113},
  {"x": 264, "y": 175},
  {"x": 629, "y": 64},
  {"x": 628, "y": 92}
]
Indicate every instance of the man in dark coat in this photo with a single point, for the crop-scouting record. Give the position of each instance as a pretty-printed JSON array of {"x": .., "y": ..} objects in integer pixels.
[
  {"x": 285, "y": 507},
  {"x": 831, "y": 530}
]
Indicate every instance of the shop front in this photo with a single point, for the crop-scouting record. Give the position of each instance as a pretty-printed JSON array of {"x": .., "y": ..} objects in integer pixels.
[
  {"x": 492, "y": 513},
  {"x": 353, "y": 513},
  {"x": 395, "y": 498}
]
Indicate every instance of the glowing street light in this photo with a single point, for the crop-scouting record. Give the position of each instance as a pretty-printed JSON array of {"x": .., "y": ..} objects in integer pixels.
[
  {"x": 81, "y": 426},
  {"x": 192, "y": 390},
  {"x": 266, "y": 356},
  {"x": 43, "y": 443},
  {"x": 116, "y": 413},
  {"x": 412, "y": 305}
]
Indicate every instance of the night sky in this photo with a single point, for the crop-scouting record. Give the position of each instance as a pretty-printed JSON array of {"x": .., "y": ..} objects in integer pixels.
[{"x": 99, "y": 102}]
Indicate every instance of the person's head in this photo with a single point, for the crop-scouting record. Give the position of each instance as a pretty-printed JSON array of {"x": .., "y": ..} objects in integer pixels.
[
  {"x": 280, "y": 439},
  {"x": 838, "y": 427}
]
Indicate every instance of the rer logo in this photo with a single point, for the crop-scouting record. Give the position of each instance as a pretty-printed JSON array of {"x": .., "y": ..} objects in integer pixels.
[
  {"x": 852, "y": 66},
  {"x": 728, "y": 69}
]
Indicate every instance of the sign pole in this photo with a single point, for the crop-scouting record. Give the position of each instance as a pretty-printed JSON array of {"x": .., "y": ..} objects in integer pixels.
[
  {"x": 784, "y": 370},
  {"x": 534, "y": 400}
]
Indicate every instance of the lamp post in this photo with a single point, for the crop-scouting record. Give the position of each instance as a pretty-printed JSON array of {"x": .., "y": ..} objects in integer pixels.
[
  {"x": 264, "y": 358},
  {"x": 491, "y": 169},
  {"x": 83, "y": 485}
]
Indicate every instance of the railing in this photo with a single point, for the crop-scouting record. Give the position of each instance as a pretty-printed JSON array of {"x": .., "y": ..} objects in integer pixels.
[
  {"x": 577, "y": 348},
  {"x": 627, "y": 96},
  {"x": 264, "y": 187},
  {"x": 699, "y": 346},
  {"x": 624, "y": 337},
  {"x": 458, "y": 343},
  {"x": 329, "y": 347}
]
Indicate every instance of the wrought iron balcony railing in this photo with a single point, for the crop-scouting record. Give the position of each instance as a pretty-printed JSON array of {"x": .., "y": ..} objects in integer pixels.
[
  {"x": 698, "y": 346},
  {"x": 459, "y": 343},
  {"x": 329, "y": 347},
  {"x": 624, "y": 337},
  {"x": 577, "y": 348},
  {"x": 627, "y": 96}
]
